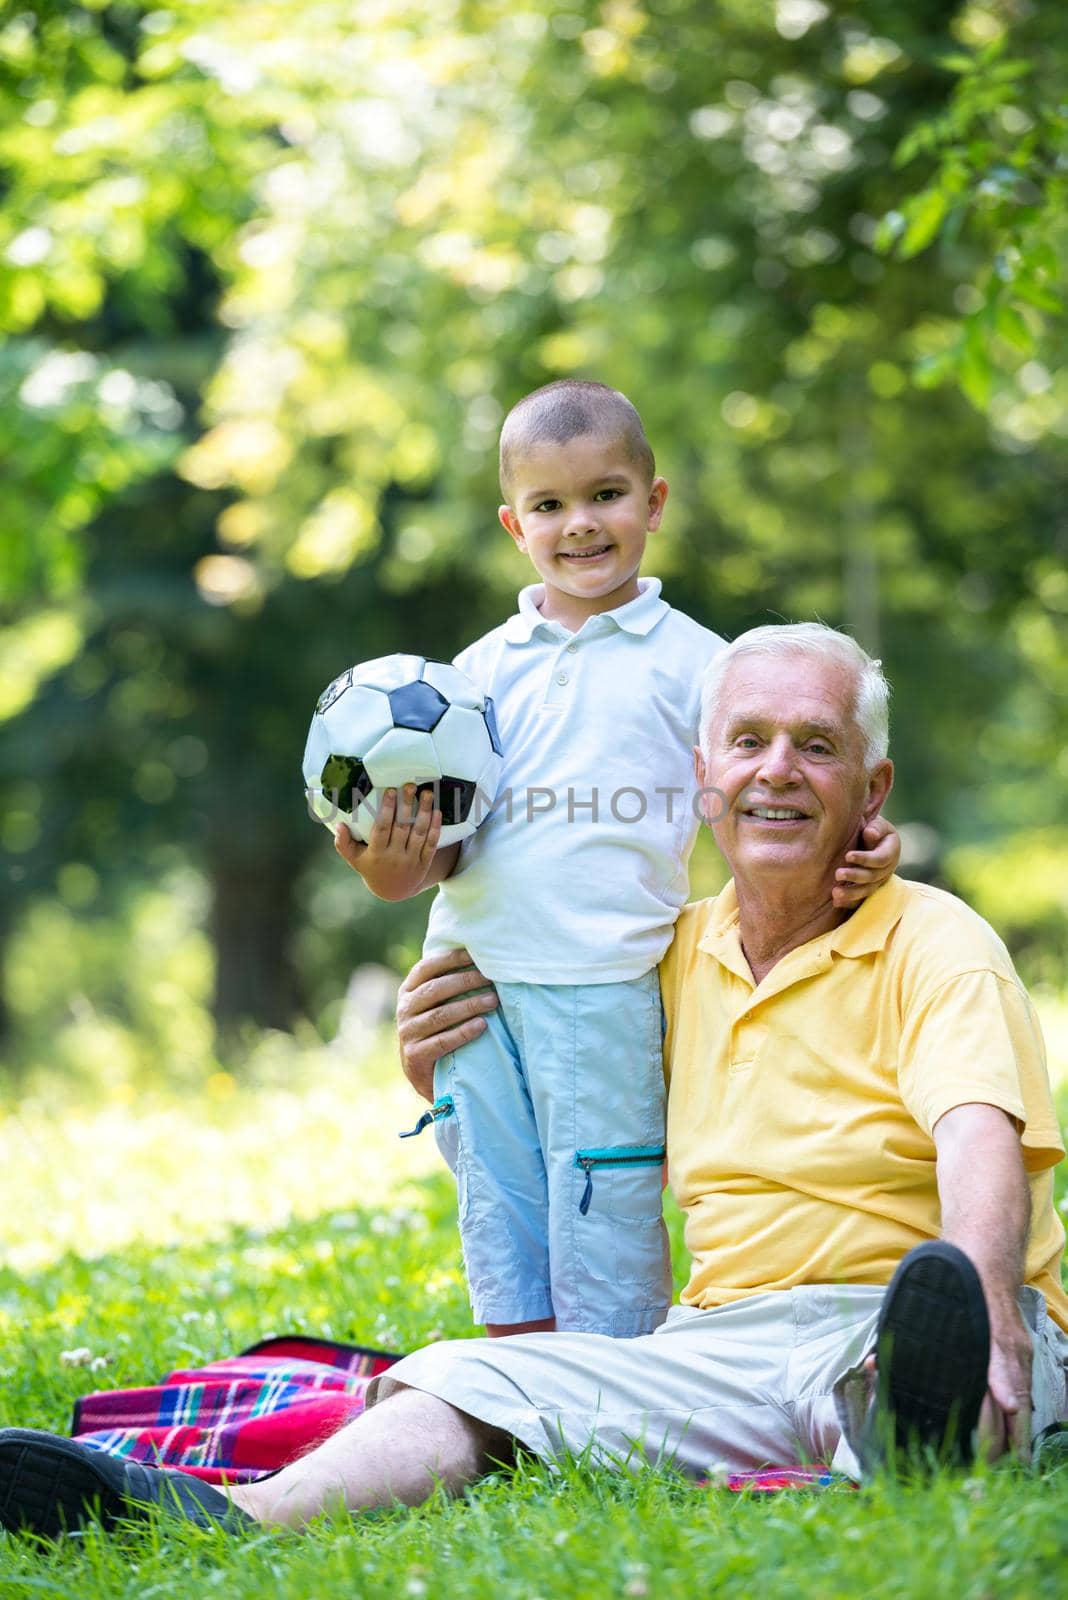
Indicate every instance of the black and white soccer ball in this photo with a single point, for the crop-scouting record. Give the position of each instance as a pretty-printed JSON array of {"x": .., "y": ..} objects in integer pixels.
[{"x": 396, "y": 720}]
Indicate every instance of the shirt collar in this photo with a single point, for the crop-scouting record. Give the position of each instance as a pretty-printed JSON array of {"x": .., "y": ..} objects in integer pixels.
[
  {"x": 865, "y": 932},
  {"x": 638, "y": 616},
  {"x": 872, "y": 923}
]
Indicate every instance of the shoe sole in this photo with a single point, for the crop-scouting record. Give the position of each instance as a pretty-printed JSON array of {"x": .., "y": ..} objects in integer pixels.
[
  {"x": 933, "y": 1353},
  {"x": 49, "y": 1491}
]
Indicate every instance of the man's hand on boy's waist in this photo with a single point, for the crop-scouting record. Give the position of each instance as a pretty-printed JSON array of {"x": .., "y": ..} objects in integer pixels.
[{"x": 441, "y": 1005}]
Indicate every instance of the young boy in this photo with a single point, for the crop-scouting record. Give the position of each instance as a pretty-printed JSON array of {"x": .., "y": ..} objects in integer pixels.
[{"x": 566, "y": 897}]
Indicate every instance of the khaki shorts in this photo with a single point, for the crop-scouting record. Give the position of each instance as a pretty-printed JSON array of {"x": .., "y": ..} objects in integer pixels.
[{"x": 767, "y": 1381}]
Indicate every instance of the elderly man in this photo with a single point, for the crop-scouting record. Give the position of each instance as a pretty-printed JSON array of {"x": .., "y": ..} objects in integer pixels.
[{"x": 855, "y": 1101}]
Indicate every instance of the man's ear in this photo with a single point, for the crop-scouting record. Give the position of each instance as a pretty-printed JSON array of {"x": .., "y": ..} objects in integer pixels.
[
  {"x": 713, "y": 801},
  {"x": 880, "y": 782},
  {"x": 511, "y": 524}
]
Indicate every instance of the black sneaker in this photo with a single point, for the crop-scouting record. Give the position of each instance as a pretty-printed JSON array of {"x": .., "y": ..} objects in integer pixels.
[
  {"x": 933, "y": 1355},
  {"x": 51, "y": 1485}
]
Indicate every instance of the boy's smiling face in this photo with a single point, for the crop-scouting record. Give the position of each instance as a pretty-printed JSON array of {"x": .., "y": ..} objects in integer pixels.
[{"x": 581, "y": 511}]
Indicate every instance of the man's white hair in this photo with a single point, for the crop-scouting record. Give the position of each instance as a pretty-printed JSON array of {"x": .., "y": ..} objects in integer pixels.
[{"x": 871, "y": 701}]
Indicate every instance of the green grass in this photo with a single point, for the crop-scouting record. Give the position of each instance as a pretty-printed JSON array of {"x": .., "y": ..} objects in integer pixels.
[{"x": 389, "y": 1274}]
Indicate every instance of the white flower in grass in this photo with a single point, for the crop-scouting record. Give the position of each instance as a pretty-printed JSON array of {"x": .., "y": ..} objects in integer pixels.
[
  {"x": 98, "y": 1363},
  {"x": 76, "y": 1358},
  {"x": 402, "y": 1219}
]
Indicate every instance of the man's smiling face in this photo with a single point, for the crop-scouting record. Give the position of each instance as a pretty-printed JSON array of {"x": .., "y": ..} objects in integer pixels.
[{"x": 787, "y": 756}]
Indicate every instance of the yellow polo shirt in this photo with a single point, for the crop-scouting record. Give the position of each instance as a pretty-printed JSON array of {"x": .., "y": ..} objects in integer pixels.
[{"x": 800, "y": 1109}]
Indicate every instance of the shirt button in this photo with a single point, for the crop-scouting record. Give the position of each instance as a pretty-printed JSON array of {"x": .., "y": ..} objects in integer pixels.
[
  {"x": 571, "y": 649},
  {"x": 561, "y": 677}
]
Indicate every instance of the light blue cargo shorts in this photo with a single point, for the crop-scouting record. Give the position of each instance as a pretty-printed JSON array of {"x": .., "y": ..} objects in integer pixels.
[{"x": 553, "y": 1122}]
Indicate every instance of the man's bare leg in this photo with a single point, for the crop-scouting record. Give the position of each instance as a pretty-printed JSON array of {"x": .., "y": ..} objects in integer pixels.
[{"x": 399, "y": 1451}]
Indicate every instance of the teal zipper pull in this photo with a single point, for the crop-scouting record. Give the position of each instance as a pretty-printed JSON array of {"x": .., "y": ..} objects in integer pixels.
[
  {"x": 424, "y": 1122},
  {"x": 441, "y": 1108},
  {"x": 587, "y": 1194},
  {"x": 620, "y": 1155}
]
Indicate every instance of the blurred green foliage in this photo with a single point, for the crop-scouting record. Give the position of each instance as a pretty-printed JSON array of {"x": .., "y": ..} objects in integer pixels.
[
  {"x": 1020, "y": 883},
  {"x": 271, "y": 274}
]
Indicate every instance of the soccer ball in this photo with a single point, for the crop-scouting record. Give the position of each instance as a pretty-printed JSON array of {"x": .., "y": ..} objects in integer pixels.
[{"x": 397, "y": 720}]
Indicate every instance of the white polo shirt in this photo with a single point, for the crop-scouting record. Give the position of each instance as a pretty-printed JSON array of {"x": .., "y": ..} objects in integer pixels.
[{"x": 579, "y": 870}]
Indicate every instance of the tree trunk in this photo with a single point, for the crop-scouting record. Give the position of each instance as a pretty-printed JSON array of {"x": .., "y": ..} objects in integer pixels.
[
  {"x": 252, "y": 928},
  {"x": 5, "y": 1016},
  {"x": 7, "y": 924},
  {"x": 860, "y": 563}
]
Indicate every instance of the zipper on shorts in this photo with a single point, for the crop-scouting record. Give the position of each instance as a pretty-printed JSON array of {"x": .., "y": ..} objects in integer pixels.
[
  {"x": 620, "y": 1155},
  {"x": 441, "y": 1108}
]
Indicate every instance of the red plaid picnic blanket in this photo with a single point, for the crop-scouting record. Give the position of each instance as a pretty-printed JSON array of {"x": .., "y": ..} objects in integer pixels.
[
  {"x": 241, "y": 1418},
  {"x": 237, "y": 1419}
]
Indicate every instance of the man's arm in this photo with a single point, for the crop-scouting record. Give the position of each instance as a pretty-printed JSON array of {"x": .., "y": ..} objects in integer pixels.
[
  {"x": 986, "y": 1211},
  {"x": 401, "y": 857},
  {"x": 440, "y": 1005}
]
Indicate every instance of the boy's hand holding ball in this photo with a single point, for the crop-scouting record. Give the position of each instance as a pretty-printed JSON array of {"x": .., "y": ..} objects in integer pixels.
[
  {"x": 398, "y": 857},
  {"x": 402, "y": 759}
]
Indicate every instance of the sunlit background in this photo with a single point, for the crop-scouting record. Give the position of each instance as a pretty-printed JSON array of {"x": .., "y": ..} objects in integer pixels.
[{"x": 270, "y": 276}]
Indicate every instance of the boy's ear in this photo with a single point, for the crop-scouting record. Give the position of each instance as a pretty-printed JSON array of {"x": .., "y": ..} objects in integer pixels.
[
  {"x": 658, "y": 493},
  {"x": 511, "y": 524}
]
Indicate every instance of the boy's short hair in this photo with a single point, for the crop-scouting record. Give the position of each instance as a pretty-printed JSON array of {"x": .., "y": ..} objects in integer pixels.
[{"x": 568, "y": 409}]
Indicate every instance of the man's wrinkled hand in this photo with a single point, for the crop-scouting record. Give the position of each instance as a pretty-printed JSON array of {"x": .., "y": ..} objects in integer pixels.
[
  {"x": 1005, "y": 1420},
  {"x": 441, "y": 1005}
]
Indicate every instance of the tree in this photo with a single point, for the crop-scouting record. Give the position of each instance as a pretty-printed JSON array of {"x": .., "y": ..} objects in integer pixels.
[{"x": 271, "y": 275}]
